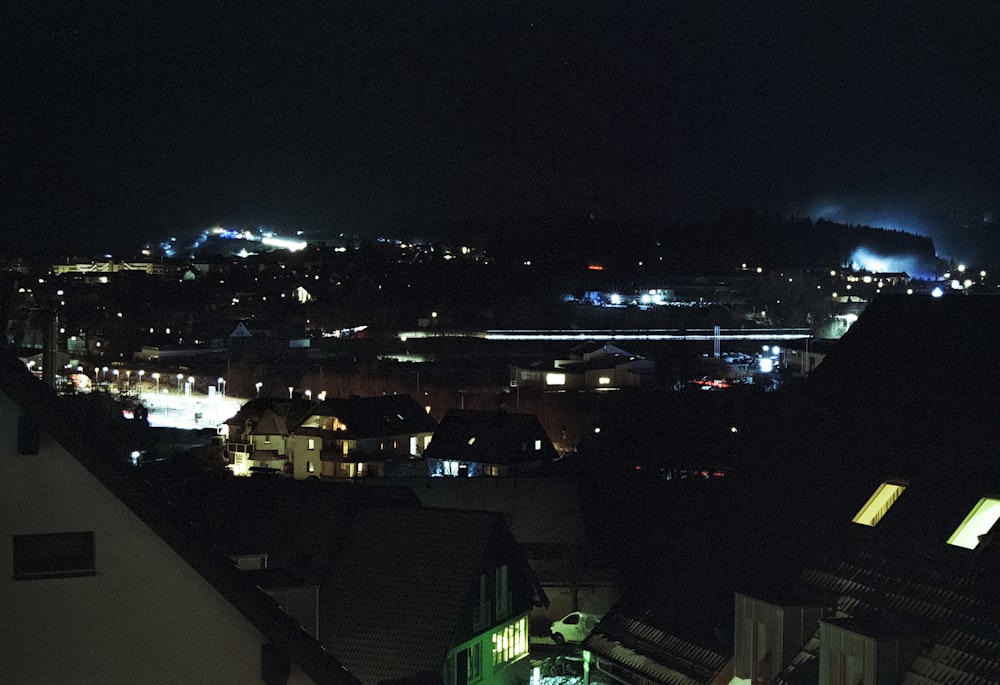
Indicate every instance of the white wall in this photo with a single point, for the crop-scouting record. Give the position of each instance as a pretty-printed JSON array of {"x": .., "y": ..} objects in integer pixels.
[{"x": 145, "y": 617}]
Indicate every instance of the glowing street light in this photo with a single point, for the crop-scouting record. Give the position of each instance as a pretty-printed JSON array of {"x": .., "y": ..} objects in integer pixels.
[
  {"x": 290, "y": 389},
  {"x": 156, "y": 377},
  {"x": 258, "y": 385},
  {"x": 309, "y": 394},
  {"x": 220, "y": 385},
  {"x": 180, "y": 379}
]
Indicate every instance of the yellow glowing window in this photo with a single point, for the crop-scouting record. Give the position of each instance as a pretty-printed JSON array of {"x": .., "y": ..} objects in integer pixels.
[
  {"x": 876, "y": 506},
  {"x": 555, "y": 379},
  {"x": 978, "y": 523},
  {"x": 312, "y": 443},
  {"x": 604, "y": 380},
  {"x": 511, "y": 642}
]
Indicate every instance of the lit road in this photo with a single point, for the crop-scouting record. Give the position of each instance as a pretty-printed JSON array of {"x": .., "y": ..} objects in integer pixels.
[{"x": 175, "y": 410}]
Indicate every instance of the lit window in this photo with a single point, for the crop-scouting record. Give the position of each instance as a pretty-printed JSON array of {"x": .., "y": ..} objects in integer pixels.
[
  {"x": 312, "y": 443},
  {"x": 555, "y": 379},
  {"x": 878, "y": 504},
  {"x": 309, "y": 467},
  {"x": 978, "y": 523},
  {"x": 510, "y": 642},
  {"x": 267, "y": 439},
  {"x": 538, "y": 445},
  {"x": 604, "y": 380}
]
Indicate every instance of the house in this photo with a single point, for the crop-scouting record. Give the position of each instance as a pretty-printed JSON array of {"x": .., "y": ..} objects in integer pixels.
[
  {"x": 471, "y": 443},
  {"x": 911, "y": 595},
  {"x": 332, "y": 438},
  {"x": 441, "y": 595},
  {"x": 103, "y": 583},
  {"x": 864, "y": 548},
  {"x": 545, "y": 515},
  {"x": 591, "y": 366}
]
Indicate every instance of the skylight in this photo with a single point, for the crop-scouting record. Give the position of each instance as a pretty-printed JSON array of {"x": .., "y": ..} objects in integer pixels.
[
  {"x": 878, "y": 504},
  {"x": 979, "y": 522}
]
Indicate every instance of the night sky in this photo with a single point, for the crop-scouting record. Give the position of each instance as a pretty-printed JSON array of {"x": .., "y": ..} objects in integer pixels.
[{"x": 124, "y": 124}]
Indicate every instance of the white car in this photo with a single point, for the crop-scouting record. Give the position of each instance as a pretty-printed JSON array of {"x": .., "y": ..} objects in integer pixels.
[{"x": 573, "y": 627}]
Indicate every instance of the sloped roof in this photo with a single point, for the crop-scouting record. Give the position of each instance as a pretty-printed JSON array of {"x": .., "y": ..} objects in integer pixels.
[
  {"x": 606, "y": 361},
  {"x": 493, "y": 437},
  {"x": 956, "y": 614},
  {"x": 365, "y": 417},
  {"x": 74, "y": 432},
  {"x": 539, "y": 511},
  {"x": 270, "y": 424},
  {"x": 398, "y": 589},
  {"x": 593, "y": 348},
  {"x": 299, "y": 524},
  {"x": 385, "y": 415},
  {"x": 654, "y": 653}
]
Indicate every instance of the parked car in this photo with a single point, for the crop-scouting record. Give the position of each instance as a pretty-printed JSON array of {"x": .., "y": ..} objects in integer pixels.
[{"x": 573, "y": 627}]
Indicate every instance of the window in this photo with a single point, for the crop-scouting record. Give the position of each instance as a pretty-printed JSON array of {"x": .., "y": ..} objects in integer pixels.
[
  {"x": 312, "y": 443},
  {"x": 604, "y": 380},
  {"x": 760, "y": 655},
  {"x": 53, "y": 555},
  {"x": 510, "y": 642},
  {"x": 979, "y": 522},
  {"x": 309, "y": 467},
  {"x": 502, "y": 593},
  {"x": 538, "y": 445},
  {"x": 878, "y": 504},
  {"x": 474, "y": 659},
  {"x": 267, "y": 439},
  {"x": 555, "y": 379}
]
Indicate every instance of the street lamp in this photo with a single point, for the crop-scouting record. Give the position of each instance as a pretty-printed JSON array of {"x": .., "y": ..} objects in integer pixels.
[
  {"x": 180, "y": 378},
  {"x": 220, "y": 385},
  {"x": 141, "y": 373},
  {"x": 309, "y": 394},
  {"x": 290, "y": 389},
  {"x": 156, "y": 377},
  {"x": 258, "y": 385}
]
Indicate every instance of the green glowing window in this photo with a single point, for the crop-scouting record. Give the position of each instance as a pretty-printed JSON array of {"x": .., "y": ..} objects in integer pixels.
[
  {"x": 978, "y": 523},
  {"x": 878, "y": 504}
]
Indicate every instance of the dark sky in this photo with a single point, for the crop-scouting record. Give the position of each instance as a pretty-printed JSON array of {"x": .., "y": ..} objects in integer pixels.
[{"x": 124, "y": 123}]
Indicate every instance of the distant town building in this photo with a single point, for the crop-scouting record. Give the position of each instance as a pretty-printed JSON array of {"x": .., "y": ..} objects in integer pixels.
[
  {"x": 471, "y": 443},
  {"x": 332, "y": 438}
]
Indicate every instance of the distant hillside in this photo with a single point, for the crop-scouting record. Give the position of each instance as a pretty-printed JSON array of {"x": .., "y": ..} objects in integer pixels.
[{"x": 737, "y": 237}]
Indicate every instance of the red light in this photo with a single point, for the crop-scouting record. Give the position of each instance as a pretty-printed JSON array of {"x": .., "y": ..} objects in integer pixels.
[{"x": 595, "y": 267}]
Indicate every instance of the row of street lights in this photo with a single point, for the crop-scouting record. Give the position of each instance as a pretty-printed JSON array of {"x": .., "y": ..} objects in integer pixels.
[{"x": 184, "y": 383}]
